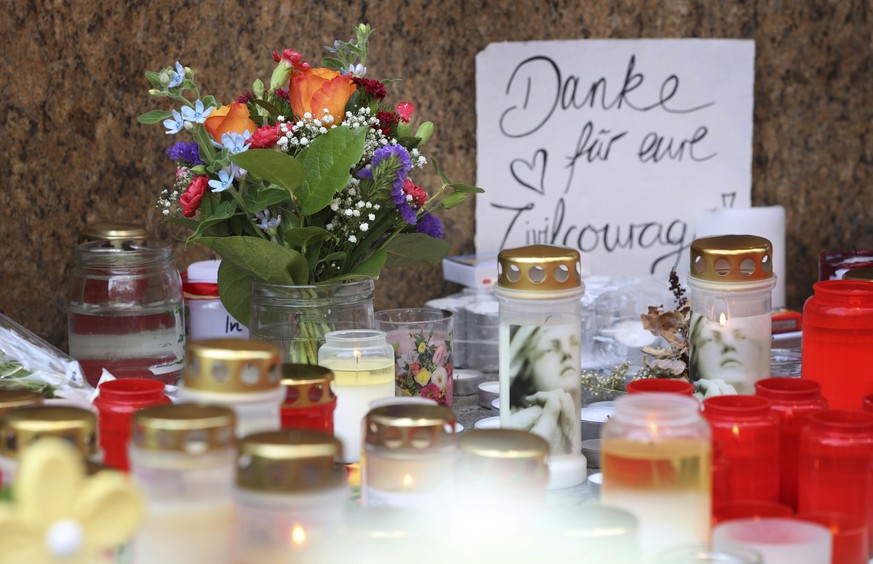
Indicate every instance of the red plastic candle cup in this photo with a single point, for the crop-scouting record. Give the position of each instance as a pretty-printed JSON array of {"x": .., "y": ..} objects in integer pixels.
[
  {"x": 749, "y": 510},
  {"x": 117, "y": 402},
  {"x": 849, "y": 534},
  {"x": 868, "y": 404},
  {"x": 309, "y": 400},
  {"x": 792, "y": 400},
  {"x": 835, "y": 465},
  {"x": 660, "y": 385},
  {"x": 745, "y": 433},
  {"x": 837, "y": 348}
]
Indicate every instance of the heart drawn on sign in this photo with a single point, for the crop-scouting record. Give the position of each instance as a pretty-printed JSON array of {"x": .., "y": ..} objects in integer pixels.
[{"x": 525, "y": 172}]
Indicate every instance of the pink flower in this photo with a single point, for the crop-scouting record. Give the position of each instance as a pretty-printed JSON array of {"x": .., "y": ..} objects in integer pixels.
[
  {"x": 431, "y": 391},
  {"x": 414, "y": 368},
  {"x": 190, "y": 200},
  {"x": 441, "y": 354},
  {"x": 405, "y": 110},
  {"x": 292, "y": 59},
  {"x": 265, "y": 137},
  {"x": 419, "y": 196}
]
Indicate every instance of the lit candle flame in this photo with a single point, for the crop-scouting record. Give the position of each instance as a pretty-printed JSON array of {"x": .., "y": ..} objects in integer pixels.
[
  {"x": 722, "y": 320},
  {"x": 653, "y": 427},
  {"x": 298, "y": 535},
  {"x": 407, "y": 481}
]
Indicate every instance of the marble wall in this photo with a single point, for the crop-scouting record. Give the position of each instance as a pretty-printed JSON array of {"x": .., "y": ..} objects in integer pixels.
[{"x": 73, "y": 152}]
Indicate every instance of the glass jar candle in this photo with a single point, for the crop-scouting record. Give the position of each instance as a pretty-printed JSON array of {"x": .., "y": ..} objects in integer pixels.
[
  {"x": 363, "y": 366},
  {"x": 113, "y": 232},
  {"x": 837, "y": 346},
  {"x": 835, "y": 465},
  {"x": 12, "y": 398},
  {"x": 21, "y": 426},
  {"x": 731, "y": 283},
  {"x": 747, "y": 434},
  {"x": 656, "y": 453},
  {"x": 848, "y": 536},
  {"x": 183, "y": 457},
  {"x": 242, "y": 375},
  {"x": 409, "y": 456},
  {"x": 792, "y": 400},
  {"x": 665, "y": 385},
  {"x": 309, "y": 399},
  {"x": 290, "y": 495},
  {"x": 539, "y": 289},
  {"x": 116, "y": 403},
  {"x": 125, "y": 311}
]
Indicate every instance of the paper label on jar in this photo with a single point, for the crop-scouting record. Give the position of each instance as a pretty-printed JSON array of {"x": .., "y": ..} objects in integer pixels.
[
  {"x": 543, "y": 388},
  {"x": 736, "y": 350},
  {"x": 208, "y": 319}
]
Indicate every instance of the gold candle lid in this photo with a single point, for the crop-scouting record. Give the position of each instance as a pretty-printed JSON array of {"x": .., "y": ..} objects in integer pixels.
[
  {"x": 10, "y": 398},
  {"x": 410, "y": 427},
  {"x": 307, "y": 385},
  {"x": 232, "y": 366},
  {"x": 865, "y": 273},
  {"x": 289, "y": 461},
  {"x": 731, "y": 258},
  {"x": 22, "y": 426},
  {"x": 184, "y": 427},
  {"x": 539, "y": 268},
  {"x": 113, "y": 232},
  {"x": 509, "y": 455}
]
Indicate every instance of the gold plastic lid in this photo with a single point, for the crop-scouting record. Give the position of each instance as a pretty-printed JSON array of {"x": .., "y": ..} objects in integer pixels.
[
  {"x": 18, "y": 398},
  {"x": 859, "y": 274},
  {"x": 539, "y": 268},
  {"x": 307, "y": 385},
  {"x": 232, "y": 366},
  {"x": 289, "y": 461},
  {"x": 21, "y": 426},
  {"x": 508, "y": 454},
  {"x": 113, "y": 232},
  {"x": 184, "y": 427},
  {"x": 732, "y": 258},
  {"x": 410, "y": 427}
]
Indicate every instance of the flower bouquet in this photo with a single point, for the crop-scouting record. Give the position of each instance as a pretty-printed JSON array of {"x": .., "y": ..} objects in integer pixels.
[{"x": 303, "y": 180}]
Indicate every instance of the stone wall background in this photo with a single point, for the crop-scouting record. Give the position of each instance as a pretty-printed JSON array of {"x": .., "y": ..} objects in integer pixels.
[{"x": 73, "y": 153}]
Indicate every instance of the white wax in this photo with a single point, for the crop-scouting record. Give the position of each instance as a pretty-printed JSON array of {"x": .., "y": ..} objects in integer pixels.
[
  {"x": 356, "y": 385},
  {"x": 598, "y": 412},
  {"x": 185, "y": 532},
  {"x": 765, "y": 221}
]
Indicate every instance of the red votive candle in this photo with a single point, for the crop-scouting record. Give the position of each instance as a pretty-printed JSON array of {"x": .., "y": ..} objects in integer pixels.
[
  {"x": 749, "y": 510},
  {"x": 117, "y": 402},
  {"x": 835, "y": 466},
  {"x": 309, "y": 400},
  {"x": 868, "y": 404},
  {"x": 837, "y": 348},
  {"x": 792, "y": 400},
  {"x": 849, "y": 535},
  {"x": 745, "y": 433},
  {"x": 660, "y": 385}
]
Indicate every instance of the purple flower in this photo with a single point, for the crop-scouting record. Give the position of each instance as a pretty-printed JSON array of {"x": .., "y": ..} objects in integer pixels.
[
  {"x": 397, "y": 193},
  {"x": 185, "y": 151},
  {"x": 430, "y": 225}
]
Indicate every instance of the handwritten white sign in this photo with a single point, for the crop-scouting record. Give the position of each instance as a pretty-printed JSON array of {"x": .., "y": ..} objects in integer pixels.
[{"x": 612, "y": 147}]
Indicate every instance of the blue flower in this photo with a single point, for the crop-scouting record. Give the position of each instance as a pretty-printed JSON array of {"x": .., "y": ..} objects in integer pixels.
[
  {"x": 187, "y": 151},
  {"x": 225, "y": 180},
  {"x": 198, "y": 114},
  {"x": 267, "y": 222},
  {"x": 177, "y": 77},
  {"x": 235, "y": 143},
  {"x": 430, "y": 225},
  {"x": 358, "y": 70},
  {"x": 176, "y": 124}
]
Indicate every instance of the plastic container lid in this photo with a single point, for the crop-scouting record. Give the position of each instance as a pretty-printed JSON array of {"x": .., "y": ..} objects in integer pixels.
[{"x": 204, "y": 271}]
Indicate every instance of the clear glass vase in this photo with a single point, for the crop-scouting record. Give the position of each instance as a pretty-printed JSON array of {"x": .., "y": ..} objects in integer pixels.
[{"x": 298, "y": 317}]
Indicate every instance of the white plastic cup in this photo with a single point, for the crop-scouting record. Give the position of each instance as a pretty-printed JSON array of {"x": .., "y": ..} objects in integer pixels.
[{"x": 780, "y": 541}]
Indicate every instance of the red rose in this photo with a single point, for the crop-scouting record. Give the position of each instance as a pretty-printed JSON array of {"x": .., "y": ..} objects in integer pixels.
[
  {"x": 405, "y": 110},
  {"x": 419, "y": 196},
  {"x": 265, "y": 137},
  {"x": 190, "y": 200}
]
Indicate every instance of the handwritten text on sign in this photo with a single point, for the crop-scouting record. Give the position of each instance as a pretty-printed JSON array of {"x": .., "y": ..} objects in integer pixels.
[{"x": 611, "y": 147}]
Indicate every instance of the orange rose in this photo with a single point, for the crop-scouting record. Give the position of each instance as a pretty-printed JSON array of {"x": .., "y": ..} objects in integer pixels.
[
  {"x": 314, "y": 90},
  {"x": 230, "y": 118}
]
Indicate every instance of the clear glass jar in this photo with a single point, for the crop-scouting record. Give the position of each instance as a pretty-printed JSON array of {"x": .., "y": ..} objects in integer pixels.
[
  {"x": 731, "y": 283},
  {"x": 363, "y": 366},
  {"x": 290, "y": 494},
  {"x": 125, "y": 311},
  {"x": 296, "y": 318},
  {"x": 242, "y": 375},
  {"x": 539, "y": 289},
  {"x": 183, "y": 456},
  {"x": 409, "y": 456},
  {"x": 656, "y": 456}
]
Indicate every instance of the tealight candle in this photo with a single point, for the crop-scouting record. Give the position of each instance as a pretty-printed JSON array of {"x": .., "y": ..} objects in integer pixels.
[
  {"x": 593, "y": 416},
  {"x": 363, "y": 366},
  {"x": 779, "y": 540}
]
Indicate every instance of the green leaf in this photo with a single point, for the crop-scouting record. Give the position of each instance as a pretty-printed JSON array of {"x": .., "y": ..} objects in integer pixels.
[
  {"x": 223, "y": 211},
  {"x": 273, "y": 166},
  {"x": 372, "y": 267},
  {"x": 331, "y": 63},
  {"x": 235, "y": 291},
  {"x": 466, "y": 188},
  {"x": 262, "y": 259},
  {"x": 326, "y": 164},
  {"x": 263, "y": 197},
  {"x": 453, "y": 200},
  {"x": 439, "y": 170},
  {"x": 155, "y": 79},
  {"x": 301, "y": 236},
  {"x": 188, "y": 84},
  {"x": 271, "y": 109},
  {"x": 209, "y": 101},
  {"x": 416, "y": 249},
  {"x": 154, "y": 116},
  {"x": 188, "y": 223},
  {"x": 409, "y": 142}
]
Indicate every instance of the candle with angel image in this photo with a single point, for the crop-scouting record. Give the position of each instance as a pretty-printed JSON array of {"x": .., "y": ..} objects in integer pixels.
[{"x": 731, "y": 349}]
